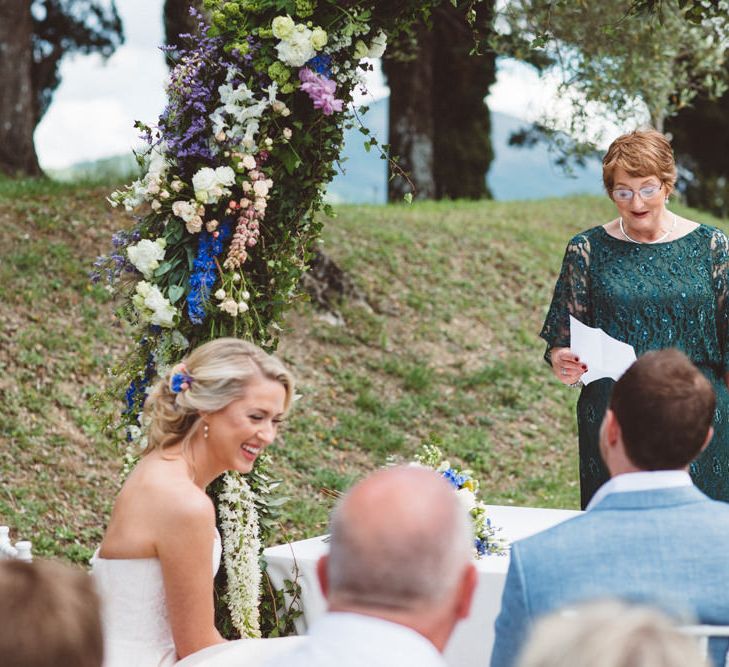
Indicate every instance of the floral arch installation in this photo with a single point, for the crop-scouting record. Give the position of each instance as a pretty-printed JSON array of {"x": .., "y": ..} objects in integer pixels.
[{"x": 225, "y": 212}]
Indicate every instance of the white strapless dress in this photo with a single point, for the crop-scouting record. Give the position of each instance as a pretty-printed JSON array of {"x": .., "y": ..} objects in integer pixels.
[{"x": 136, "y": 625}]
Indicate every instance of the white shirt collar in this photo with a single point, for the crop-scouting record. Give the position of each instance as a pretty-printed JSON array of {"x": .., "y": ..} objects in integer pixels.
[
  {"x": 364, "y": 635},
  {"x": 641, "y": 481}
]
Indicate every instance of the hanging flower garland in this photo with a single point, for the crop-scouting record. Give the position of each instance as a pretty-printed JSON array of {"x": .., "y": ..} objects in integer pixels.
[{"x": 234, "y": 171}]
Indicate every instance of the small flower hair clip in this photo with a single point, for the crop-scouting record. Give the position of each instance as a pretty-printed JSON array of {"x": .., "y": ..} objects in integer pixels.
[{"x": 180, "y": 380}]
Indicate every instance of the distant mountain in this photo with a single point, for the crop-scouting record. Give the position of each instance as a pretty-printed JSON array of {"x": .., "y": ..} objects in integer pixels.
[{"x": 515, "y": 173}]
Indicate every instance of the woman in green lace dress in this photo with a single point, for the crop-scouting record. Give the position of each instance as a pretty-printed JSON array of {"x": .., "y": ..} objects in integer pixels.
[{"x": 651, "y": 279}]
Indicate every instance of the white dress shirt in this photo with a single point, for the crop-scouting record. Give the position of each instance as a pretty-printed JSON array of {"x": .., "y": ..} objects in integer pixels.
[
  {"x": 343, "y": 639},
  {"x": 647, "y": 480}
]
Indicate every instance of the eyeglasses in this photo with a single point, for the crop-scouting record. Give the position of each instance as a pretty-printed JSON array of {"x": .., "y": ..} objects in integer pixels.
[{"x": 625, "y": 195}]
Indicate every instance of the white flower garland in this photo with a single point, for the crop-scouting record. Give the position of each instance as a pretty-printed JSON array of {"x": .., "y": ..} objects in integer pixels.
[{"x": 241, "y": 550}]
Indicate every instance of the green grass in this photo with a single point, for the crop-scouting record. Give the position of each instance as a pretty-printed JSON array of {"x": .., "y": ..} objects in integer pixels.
[{"x": 449, "y": 349}]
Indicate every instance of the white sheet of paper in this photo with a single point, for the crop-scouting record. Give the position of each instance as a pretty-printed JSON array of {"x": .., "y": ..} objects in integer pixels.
[{"x": 605, "y": 356}]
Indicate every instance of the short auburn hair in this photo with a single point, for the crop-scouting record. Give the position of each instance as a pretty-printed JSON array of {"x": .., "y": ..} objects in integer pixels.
[
  {"x": 665, "y": 407},
  {"x": 640, "y": 153}
]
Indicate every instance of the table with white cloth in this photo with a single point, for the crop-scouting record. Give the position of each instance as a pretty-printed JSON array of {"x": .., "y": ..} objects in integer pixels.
[{"x": 470, "y": 645}]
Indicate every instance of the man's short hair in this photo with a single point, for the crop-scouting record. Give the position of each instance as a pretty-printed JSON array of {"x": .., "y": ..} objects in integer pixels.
[
  {"x": 665, "y": 407},
  {"x": 49, "y": 616}
]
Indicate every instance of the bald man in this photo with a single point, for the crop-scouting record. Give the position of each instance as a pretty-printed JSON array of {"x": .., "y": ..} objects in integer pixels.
[{"x": 398, "y": 576}]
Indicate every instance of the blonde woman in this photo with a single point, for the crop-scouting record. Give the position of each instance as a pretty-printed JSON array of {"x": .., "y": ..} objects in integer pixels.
[
  {"x": 217, "y": 411},
  {"x": 609, "y": 634}
]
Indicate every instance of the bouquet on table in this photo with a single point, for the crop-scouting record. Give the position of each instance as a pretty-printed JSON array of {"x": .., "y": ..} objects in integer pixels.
[{"x": 486, "y": 541}]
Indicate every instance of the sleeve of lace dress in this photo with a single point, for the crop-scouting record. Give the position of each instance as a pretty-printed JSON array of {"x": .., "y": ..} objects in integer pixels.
[
  {"x": 720, "y": 279},
  {"x": 571, "y": 295}
]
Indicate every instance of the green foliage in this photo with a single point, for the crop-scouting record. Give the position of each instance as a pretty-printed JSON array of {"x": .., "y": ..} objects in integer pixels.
[{"x": 608, "y": 55}]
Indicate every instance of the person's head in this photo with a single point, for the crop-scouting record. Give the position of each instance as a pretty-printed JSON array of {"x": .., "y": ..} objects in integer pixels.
[
  {"x": 640, "y": 154},
  {"x": 49, "y": 616},
  {"x": 401, "y": 548},
  {"x": 639, "y": 174},
  {"x": 609, "y": 634},
  {"x": 660, "y": 414},
  {"x": 227, "y": 392}
]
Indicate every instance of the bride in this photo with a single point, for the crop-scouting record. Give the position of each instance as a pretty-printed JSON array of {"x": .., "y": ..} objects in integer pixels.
[{"x": 154, "y": 569}]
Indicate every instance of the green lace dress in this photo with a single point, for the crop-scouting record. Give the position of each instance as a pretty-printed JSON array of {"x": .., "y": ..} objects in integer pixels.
[{"x": 652, "y": 296}]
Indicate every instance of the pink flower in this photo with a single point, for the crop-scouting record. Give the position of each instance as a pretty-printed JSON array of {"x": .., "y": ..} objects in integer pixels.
[{"x": 321, "y": 91}]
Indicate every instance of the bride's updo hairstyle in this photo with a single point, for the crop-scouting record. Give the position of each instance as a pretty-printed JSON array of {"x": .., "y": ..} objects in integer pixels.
[{"x": 212, "y": 376}]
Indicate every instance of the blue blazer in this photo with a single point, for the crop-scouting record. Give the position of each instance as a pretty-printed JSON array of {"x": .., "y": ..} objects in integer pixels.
[{"x": 667, "y": 547}]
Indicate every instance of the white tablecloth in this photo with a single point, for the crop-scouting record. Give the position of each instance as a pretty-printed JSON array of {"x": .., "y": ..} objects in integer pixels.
[{"x": 471, "y": 643}]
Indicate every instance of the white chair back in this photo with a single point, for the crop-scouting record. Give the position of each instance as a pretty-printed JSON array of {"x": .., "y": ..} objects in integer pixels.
[
  {"x": 21, "y": 550},
  {"x": 703, "y": 633}
]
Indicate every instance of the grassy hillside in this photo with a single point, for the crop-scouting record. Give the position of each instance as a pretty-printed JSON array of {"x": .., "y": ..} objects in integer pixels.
[{"x": 449, "y": 349}]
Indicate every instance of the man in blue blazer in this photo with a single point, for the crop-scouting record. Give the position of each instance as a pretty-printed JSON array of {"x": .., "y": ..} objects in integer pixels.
[{"x": 648, "y": 535}]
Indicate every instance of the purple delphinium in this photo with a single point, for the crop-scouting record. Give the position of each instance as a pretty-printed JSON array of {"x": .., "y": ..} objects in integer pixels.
[
  {"x": 112, "y": 266},
  {"x": 193, "y": 94},
  {"x": 321, "y": 91}
]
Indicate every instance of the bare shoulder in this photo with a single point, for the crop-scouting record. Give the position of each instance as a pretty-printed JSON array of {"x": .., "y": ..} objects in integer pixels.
[{"x": 169, "y": 495}]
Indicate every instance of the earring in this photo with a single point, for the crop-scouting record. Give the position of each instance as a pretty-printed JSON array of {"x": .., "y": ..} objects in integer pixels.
[{"x": 206, "y": 431}]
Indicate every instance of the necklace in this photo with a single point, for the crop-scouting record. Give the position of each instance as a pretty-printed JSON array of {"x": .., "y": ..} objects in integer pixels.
[{"x": 662, "y": 238}]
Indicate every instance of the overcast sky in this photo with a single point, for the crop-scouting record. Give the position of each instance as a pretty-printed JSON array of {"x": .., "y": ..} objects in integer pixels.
[{"x": 93, "y": 110}]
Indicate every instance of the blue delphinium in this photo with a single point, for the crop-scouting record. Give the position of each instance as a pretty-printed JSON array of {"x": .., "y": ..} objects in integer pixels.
[
  {"x": 204, "y": 273},
  {"x": 321, "y": 64},
  {"x": 455, "y": 478}
]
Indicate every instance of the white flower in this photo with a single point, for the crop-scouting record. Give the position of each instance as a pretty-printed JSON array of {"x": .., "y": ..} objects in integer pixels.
[
  {"x": 283, "y": 27},
  {"x": 261, "y": 188},
  {"x": 164, "y": 194},
  {"x": 260, "y": 204},
  {"x": 194, "y": 226},
  {"x": 152, "y": 305},
  {"x": 287, "y": 133},
  {"x": 211, "y": 225},
  {"x": 157, "y": 162},
  {"x": 225, "y": 176},
  {"x": 360, "y": 50},
  {"x": 377, "y": 45},
  {"x": 207, "y": 188},
  {"x": 177, "y": 185},
  {"x": 296, "y": 49},
  {"x": 220, "y": 294},
  {"x": 156, "y": 206},
  {"x": 249, "y": 162},
  {"x": 146, "y": 255},
  {"x": 242, "y": 306},
  {"x": 186, "y": 210},
  {"x": 241, "y": 548},
  {"x": 229, "y": 306},
  {"x": 318, "y": 38},
  {"x": 445, "y": 465},
  {"x": 467, "y": 499}
]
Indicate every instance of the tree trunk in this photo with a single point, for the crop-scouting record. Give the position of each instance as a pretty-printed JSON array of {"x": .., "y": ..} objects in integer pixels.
[
  {"x": 411, "y": 117},
  {"x": 177, "y": 21},
  {"x": 17, "y": 102},
  {"x": 461, "y": 123}
]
